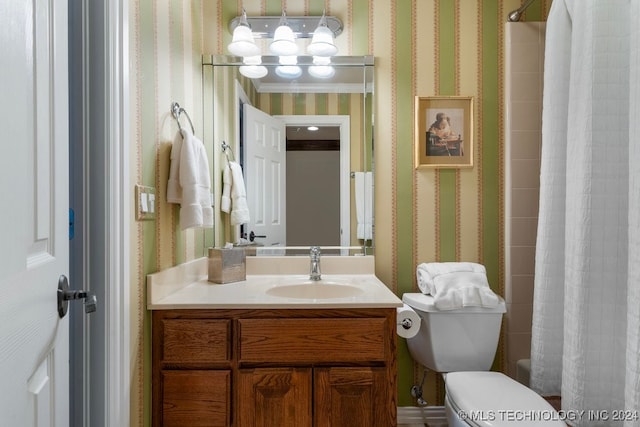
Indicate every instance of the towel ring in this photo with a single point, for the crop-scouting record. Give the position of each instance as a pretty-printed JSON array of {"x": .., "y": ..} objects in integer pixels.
[
  {"x": 176, "y": 110},
  {"x": 226, "y": 147}
]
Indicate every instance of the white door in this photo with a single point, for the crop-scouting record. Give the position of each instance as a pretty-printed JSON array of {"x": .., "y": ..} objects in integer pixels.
[
  {"x": 34, "y": 366},
  {"x": 265, "y": 154}
]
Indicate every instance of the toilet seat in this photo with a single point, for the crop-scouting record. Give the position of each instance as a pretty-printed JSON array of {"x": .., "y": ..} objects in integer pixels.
[{"x": 492, "y": 399}]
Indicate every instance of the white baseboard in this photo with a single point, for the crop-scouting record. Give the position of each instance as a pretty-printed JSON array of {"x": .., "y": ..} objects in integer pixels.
[{"x": 434, "y": 416}]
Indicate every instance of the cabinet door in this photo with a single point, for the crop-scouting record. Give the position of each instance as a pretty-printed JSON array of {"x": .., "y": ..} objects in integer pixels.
[
  {"x": 352, "y": 397},
  {"x": 274, "y": 397},
  {"x": 195, "y": 399}
]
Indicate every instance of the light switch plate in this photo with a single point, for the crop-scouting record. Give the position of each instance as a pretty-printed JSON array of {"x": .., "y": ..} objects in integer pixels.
[{"x": 145, "y": 203}]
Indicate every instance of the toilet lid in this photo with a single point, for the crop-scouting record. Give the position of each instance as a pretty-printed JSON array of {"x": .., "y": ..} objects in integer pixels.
[{"x": 493, "y": 399}]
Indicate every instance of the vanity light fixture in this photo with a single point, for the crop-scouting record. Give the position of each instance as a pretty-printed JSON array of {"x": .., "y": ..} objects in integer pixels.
[
  {"x": 312, "y": 128},
  {"x": 284, "y": 41},
  {"x": 284, "y": 30},
  {"x": 322, "y": 71},
  {"x": 252, "y": 67},
  {"x": 303, "y": 27},
  {"x": 243, "y": 43},
  {"x": 322, "y": 41},
  {"x": 253, "y": 71},
  {"x": 321, "y": 68},
  {"x": 252, "y": 60},
  {"x": 288, "y": 68},
  {"x": 288, "y": 60},
  {"x": 289, "y": 71}
]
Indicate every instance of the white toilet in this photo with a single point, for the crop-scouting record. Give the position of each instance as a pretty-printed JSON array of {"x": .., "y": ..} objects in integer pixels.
[{"x": 461, "y": 344}]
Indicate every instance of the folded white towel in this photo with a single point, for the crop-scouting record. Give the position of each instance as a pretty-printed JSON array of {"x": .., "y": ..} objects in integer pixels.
[
  {"x": 455, "y": 285},
  {"x": 189, "y": 181},
  {"x": 238, "y": 203}
]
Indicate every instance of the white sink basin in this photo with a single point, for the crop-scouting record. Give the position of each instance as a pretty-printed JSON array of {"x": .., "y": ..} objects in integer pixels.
[{"x": 315, "y": 290}]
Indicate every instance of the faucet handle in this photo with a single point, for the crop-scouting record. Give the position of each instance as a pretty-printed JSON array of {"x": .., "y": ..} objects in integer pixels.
[{"x": 314, "y": 251}]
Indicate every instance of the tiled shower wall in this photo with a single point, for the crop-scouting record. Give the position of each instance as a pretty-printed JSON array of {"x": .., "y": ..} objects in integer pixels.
[{"x": 524, "y": 60}]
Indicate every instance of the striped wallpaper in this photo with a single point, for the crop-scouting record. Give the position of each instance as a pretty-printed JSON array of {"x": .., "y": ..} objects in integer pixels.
[{"x": 421, "y": 48}]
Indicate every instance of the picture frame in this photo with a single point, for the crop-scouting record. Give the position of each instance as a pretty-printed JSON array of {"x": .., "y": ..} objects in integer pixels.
[{"x": 443, "y": 132}]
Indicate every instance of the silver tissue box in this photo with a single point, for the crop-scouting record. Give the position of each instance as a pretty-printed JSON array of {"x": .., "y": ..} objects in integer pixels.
[{"x": 227, "y": 265}]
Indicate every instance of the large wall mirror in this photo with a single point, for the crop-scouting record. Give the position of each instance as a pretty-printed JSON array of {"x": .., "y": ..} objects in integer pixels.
[{"x": 304, "y": 140}]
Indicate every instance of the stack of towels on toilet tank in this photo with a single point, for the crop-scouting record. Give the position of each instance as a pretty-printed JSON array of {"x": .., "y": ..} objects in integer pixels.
[{"x": 455, "y": 285}]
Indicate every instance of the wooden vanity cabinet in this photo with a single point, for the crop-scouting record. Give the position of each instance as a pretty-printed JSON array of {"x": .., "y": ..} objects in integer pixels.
[{"x": 263, "y": 368}]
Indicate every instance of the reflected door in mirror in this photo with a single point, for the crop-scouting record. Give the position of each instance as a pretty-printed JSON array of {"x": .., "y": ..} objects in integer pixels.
[{"x": 265, "y": 171}]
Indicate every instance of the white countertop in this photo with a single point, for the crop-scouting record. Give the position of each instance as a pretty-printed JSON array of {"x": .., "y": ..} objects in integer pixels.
[{"x": 187, "y": 287}]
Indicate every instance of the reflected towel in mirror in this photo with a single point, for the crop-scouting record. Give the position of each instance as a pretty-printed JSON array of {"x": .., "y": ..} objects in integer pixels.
[
  {"x": 364, "y": 205},
  {"x": 234, "y": 197}
]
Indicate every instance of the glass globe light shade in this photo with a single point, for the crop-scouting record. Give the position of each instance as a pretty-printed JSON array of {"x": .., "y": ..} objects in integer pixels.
[
  {"x": 284, "y": 41},
  {"x": 321, "y": 60},
  {"x": 288, "y": 60},
  {"x": 322, "y": 42},
  {"x": 242, "y": 43},
  {"x": 322, "y": 71},
  {"x": 252, "y": 60},
  {"x": 253, "y": 71},
  {"x": 289, "y": 71}
]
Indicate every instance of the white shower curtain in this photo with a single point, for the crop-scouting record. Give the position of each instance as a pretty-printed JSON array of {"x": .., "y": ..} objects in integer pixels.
[{"x": 586, "y": 321}]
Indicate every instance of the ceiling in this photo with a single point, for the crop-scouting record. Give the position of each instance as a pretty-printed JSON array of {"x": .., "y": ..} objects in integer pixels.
[{"x": 326, "y": 133}]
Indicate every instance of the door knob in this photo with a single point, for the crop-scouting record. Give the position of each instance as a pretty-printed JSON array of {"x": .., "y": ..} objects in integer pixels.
[
  {"x": 253, "y": 236},
  {"x": 65, "y": 295}
]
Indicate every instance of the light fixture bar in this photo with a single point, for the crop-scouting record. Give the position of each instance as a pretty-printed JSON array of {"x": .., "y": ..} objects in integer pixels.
[{"x": 303, "y": 27}]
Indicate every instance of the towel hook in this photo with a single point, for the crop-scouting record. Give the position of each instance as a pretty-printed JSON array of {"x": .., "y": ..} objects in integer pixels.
[
  {"x": 176, "y": 110},
  {"x": 226, "y": 147}
]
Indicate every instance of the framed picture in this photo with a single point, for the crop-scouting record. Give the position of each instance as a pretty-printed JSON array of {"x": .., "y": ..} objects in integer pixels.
[{"x": 443, "y": 132}]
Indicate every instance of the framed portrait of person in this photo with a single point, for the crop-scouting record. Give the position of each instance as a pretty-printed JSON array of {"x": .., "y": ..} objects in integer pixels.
[{"x": 443, "y": 132}]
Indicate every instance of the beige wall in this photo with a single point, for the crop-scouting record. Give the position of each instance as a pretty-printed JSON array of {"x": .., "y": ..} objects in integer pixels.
[
  {"x": 523, "y": 141},
  {"x": 313, "y": 184},
  {"x": 421, "y": 47}
]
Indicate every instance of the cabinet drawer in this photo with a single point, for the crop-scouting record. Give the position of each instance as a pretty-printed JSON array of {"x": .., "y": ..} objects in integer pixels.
[
  {"x": 195, "y": 340},
  {"x": 313, "y": 340}
]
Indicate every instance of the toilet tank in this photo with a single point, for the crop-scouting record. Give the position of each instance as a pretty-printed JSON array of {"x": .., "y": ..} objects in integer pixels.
[{"x": 465, "y": 339}]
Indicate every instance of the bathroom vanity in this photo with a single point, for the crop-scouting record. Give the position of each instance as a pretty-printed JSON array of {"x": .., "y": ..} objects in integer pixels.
[{"x": 273, "y": 350}]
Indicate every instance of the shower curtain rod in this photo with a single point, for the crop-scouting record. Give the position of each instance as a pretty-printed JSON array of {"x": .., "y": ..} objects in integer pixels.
[{"x": 516, "y": 14}]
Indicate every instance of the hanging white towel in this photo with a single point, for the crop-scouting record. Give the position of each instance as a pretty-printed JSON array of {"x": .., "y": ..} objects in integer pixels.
[
  {"x": 225, "y": 199},
  {"x": 174, "y": 191},
  {"x": 456, "y": 284},
  {"x": 189, "y": 181},
  {"x": 234, "y": 197},
  {"x": 364, "y": 205}
]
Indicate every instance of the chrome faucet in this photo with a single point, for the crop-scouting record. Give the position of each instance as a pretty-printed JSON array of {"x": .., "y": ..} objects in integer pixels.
[{"x": 314, "y": 254}]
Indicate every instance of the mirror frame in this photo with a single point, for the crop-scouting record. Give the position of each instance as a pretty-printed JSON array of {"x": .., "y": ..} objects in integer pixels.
[{"x": 226, "y": 127}]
